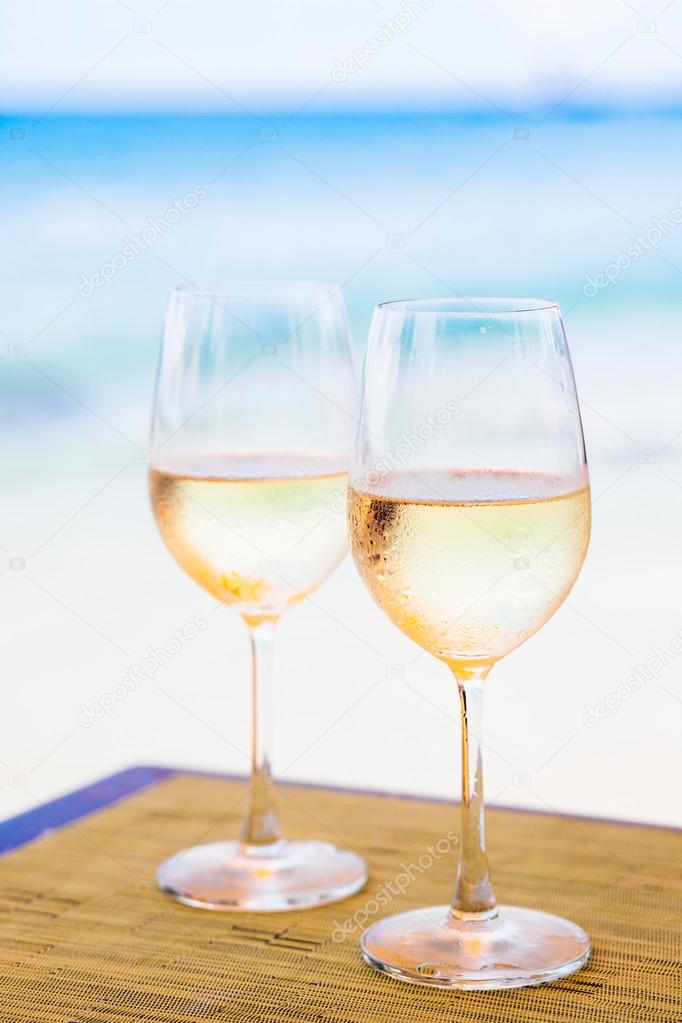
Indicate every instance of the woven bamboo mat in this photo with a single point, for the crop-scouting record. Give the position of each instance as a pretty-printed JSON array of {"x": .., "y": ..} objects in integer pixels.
[{"x": 86, "y": 938}]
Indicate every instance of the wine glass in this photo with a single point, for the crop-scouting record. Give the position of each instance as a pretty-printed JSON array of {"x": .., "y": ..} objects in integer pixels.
[
  {"x": 250, "y": 449},
  {"x": 469, "y": 516}
]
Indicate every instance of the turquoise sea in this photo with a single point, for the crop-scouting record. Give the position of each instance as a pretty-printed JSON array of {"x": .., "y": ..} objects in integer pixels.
[{"x": 393, "y": 205}]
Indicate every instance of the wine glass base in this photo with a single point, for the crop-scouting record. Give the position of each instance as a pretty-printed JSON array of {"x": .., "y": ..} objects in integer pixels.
[
  {"x": 295, "y": 876},
  {"x": 517, "y": 948}
]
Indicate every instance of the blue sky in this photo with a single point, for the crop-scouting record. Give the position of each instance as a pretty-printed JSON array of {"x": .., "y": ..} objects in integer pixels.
[{"x": 339, "y": 54}]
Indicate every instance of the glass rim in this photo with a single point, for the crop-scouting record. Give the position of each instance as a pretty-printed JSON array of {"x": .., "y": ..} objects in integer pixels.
[
  {"x": 248, "y": 289},
  {"x": 465, "y": 306}
]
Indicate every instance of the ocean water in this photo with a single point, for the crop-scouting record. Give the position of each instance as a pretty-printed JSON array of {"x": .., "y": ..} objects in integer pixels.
[{"x": 392, "y": 206}]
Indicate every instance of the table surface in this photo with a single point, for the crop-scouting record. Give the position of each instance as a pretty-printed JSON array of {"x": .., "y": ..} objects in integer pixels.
[{"x": 87, "y": 938}]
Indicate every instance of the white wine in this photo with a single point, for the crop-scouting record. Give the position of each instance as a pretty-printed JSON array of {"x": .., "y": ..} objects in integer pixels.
[
  {"x": 469, "y": 564},
  {"x": 257, "y": 530}
]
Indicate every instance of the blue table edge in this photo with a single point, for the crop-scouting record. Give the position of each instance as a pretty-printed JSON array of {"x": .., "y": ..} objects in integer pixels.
[
  {"x": 57, "y": 813},
  {"x": 25, "y": 827}
]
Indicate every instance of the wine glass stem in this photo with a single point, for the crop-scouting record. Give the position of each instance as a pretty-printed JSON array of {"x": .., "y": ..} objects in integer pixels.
[
  {"x": 474, "y": 897},
  {"x": 261, "y": 831}
]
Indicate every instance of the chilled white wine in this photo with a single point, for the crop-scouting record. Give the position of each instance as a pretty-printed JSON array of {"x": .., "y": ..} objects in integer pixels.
[
  {"x": 256, "y": 530},
  {"x": 469, "y": 564}
]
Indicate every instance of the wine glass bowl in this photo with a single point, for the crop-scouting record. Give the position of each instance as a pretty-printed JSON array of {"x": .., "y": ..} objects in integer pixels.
[
  {"x": 220, "y": 513},
  {"x": 469, "y": 518},
  {"x": 250, "y": 450},
  {"x": 469, "y": 565}
]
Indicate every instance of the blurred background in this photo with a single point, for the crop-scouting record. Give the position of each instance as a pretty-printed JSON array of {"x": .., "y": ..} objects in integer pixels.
[{"x": 402, "y": 149}]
